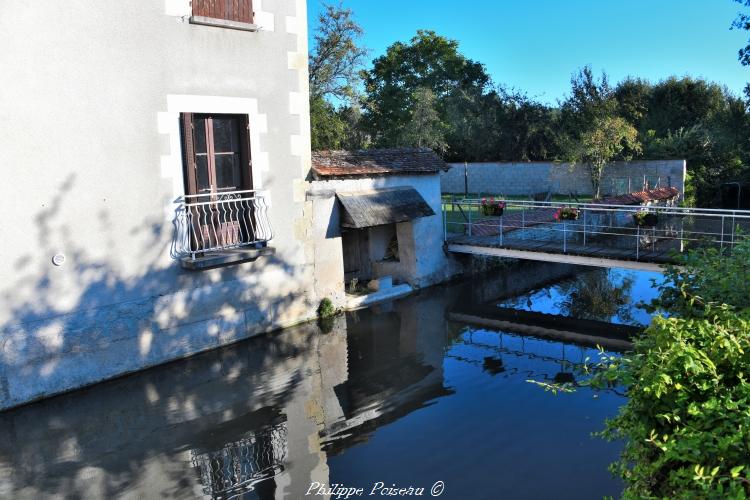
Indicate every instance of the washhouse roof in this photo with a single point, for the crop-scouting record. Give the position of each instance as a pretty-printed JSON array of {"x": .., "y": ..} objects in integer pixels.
[
  {"x": 377, "y": 207},
  {"x": 369, "y": 162}
]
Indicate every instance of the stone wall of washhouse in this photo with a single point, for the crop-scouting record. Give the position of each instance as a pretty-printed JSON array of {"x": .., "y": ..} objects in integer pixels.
[{"x": 521, "y": 179}]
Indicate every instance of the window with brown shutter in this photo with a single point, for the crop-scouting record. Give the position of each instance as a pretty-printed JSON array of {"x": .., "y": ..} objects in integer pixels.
[
  {"x": 237, "y": 14},
  {"x": 220, "y": 203}
]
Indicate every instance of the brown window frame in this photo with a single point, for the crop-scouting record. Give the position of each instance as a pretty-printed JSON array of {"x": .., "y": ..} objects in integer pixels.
[{"x": 190, "y": 169}]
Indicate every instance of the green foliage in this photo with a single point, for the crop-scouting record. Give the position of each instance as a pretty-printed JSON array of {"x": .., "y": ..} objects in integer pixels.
[
  {"x": 742, "y": 22},
  {"x": 326, "y": 308},
  {"x": 706, "y": 278},
  {"x": 334, "y": 65},
  {"x": 608, "y": 138},
  {"x": 428, "y": 61},
  {"x": 336, "y": 58},
  {"x": 327, "y": 129},
  {"x": 426, "y": 92},
  {"x": 686, "y": 424},
  {"x": 424, "y": 129}
]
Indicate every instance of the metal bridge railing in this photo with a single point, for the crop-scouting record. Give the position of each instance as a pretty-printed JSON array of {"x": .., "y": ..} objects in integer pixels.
[{"x": 652, "y": 227}]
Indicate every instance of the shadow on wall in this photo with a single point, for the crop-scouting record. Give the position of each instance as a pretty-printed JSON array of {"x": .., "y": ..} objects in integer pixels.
[{"x": 89, "y": 320}]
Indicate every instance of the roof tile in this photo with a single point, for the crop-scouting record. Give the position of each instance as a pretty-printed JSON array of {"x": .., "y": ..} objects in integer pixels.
[{"x": 366, "y": 162}]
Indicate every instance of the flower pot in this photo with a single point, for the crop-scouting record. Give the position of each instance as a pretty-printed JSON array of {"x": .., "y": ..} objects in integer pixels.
[
  {"x": 492, "y": 210},
  {"x": 648, "y": 220},
  {"x": 568, "y": 216}
]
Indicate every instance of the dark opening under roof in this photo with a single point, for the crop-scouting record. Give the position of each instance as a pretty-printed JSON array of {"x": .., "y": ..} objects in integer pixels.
[{"x": 382, "y": 206}]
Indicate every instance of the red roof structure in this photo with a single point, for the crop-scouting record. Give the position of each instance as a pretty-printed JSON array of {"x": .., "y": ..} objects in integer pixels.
[{"x": 372, "y": 162}]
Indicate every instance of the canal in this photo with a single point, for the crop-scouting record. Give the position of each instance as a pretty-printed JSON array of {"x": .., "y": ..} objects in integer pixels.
[{"x": 397, "y": 396}]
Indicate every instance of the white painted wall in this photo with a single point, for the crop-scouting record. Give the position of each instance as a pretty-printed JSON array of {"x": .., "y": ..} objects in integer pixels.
[
  {"x": 420, "y": 241},
  {"x": 91, "y": 155}
]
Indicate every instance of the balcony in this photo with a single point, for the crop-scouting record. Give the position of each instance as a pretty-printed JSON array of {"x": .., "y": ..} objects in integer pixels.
[{"x": 217, "y": 229}]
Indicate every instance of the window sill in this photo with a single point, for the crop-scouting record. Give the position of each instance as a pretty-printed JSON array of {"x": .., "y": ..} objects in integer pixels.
[
  {"x": 223, "y": 23},
  {"x": 224, "y": 258}
]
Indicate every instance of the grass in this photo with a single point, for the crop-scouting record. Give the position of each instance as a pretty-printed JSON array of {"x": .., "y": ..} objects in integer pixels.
[{"x": 454, "y": 215}]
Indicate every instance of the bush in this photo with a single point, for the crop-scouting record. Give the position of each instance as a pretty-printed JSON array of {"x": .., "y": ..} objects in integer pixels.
[
  {"x": 686, "y": 424},
  {"x": 705, "y": 277},
  {"x": 326, "y": 309}
]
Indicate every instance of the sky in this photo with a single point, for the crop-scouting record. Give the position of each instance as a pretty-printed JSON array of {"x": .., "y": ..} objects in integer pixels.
[{"x": 536, "y": 45}]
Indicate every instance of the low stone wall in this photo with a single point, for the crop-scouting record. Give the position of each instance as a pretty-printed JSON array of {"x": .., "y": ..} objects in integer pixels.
[{"x": 521, "y": 179}]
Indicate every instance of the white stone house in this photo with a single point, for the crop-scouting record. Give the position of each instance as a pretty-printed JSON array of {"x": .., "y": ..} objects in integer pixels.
[{"x": 155, "y": 157}]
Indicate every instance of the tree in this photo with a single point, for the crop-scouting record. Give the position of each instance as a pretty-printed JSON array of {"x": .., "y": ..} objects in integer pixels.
[
  {"x": 431, "y": 62},
  {"x": 633, "y": 96},
  {"x": 334, "y": 65},
  {"x": 589, "y": 100},
  {"x": 608, "y": 138},
  {"x": 742, "y": 22},
  {"x": 336, "y": 58},
  {"x": 525, "y": 130},
  {"x": 424, "y": 128}
]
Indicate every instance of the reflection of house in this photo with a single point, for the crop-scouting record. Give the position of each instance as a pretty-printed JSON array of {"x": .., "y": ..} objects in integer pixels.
[{"x": 247, "y": 417}]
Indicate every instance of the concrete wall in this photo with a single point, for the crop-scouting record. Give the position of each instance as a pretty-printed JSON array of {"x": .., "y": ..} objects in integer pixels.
[
  {"x": 422, "y": 260},
  {"x": 92, "y": 163},
  {"x": 513, "y": 179}
]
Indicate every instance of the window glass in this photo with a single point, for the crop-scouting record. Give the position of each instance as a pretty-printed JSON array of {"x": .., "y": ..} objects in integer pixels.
[
  {"x": 228, "y": 171},
  {"x": 199, "y": 126},
  {"x": 226, "y": 135},
  {"x": 201, "y": 167}
]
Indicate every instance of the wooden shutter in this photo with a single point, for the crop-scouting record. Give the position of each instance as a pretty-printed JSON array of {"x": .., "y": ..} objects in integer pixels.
[
  {"x": 247, "y": 162},
  {"x": 188, "y": 150},
  {"x": 230, "y": 10}
]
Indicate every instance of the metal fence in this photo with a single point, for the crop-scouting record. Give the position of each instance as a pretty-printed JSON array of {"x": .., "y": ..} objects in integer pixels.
[
  {"x": 219, "y": 221},
  {"x": 570, "y": 226}
]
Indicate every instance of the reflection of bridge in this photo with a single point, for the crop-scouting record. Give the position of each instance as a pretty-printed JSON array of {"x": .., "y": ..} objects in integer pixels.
[
  {"x": 596, "y": 234},
  {"x": 613, "y": 337}
]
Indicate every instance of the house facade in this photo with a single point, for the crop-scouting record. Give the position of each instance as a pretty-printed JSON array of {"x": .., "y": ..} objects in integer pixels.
[{"x": 157, "y": 154}]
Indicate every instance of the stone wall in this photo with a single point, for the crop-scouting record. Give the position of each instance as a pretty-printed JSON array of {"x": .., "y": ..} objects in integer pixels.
[{"x": 515, "y": 178}]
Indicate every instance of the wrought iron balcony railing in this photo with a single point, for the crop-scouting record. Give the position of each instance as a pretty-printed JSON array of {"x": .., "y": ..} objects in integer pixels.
[{"x": 213, "y": 222}]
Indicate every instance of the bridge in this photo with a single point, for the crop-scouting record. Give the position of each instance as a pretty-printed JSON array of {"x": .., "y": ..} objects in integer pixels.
[{"x": 643, "y": 230}]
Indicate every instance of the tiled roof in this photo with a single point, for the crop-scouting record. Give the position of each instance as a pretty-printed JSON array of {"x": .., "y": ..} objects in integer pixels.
[
  {"x": 639, "y": 197},
  {"x": 366, "y": 162}
]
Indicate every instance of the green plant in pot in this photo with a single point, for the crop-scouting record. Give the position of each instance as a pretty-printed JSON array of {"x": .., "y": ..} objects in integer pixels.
[
  {"x": 645, "y": 218},
  {"x": 566, "y": 213},
  {"x": 490, "y": 206}
]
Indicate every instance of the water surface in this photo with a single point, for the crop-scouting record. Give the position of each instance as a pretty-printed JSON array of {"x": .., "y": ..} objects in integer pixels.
[{"x": 398, "y": 395}]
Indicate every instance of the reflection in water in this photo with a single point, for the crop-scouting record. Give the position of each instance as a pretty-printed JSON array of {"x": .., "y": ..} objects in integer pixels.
[
  {"x": 396, "y": 394},
  {"x": 241, "y": 465},
  {"x": 611, "y": 295}
]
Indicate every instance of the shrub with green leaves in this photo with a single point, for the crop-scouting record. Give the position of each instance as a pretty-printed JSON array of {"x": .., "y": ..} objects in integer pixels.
[
  {"x": 706, "y": 276},
  {"x": 686, "y": 424}
]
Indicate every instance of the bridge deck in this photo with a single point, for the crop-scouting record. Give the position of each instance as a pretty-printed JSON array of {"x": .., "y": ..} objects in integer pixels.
[
  {"x": 658, "y": 253},
  {"x": 643, "y": 230}
]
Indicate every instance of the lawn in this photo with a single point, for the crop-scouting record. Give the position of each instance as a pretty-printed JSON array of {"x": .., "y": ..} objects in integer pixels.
[{"x": 454, "y": 214}]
